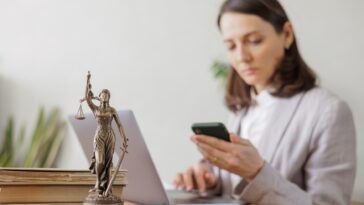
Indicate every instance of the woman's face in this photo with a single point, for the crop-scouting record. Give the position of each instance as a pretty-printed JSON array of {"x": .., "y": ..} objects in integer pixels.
[{"x": 254, "y": 47}]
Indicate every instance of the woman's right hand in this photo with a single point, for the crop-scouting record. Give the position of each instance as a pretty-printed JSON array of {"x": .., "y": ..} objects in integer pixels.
[{"x": 199, "y": 177}]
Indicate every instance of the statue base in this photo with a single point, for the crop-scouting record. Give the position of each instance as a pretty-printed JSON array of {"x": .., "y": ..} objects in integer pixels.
[{"x": 96, "y": 199}]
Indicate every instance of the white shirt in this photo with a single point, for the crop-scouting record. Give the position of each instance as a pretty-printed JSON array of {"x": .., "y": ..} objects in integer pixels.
[{"x": 255, "y": 121}]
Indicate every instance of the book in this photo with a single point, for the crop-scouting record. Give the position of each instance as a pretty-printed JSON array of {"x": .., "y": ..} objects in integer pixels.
[{"x": 33, "y": 185}]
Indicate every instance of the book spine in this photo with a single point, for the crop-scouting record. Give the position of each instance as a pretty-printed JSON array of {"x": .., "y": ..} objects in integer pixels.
[{"x": 47, "y": 193}]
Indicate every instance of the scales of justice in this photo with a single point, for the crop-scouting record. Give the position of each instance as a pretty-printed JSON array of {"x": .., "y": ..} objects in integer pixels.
[{"x": 104, "y": 145}]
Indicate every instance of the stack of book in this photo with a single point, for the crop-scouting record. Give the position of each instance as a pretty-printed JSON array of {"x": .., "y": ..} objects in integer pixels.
[{"x": 50, "y": 185}]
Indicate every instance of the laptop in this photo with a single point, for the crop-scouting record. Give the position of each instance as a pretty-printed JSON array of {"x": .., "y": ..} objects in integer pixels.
[{"x": 144, "y": 184}]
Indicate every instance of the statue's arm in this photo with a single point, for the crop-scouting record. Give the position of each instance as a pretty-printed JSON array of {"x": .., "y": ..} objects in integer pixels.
[
  {"x": 89, "y": 95},
  {"x": 121, "y": 129}
]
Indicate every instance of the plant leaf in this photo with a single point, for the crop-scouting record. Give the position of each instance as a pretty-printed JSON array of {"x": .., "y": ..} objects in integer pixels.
[
  {"x": 56, "y": 144},
  {"x": 46, "y": 138},
  {"x": 6, "y": 154},
  {"x": 33, "y": 148}
]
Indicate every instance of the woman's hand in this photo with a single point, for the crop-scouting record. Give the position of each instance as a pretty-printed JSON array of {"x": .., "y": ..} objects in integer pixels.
[
  {"x": 198, "y": 177},
  {"x": 238, "y": 156}
]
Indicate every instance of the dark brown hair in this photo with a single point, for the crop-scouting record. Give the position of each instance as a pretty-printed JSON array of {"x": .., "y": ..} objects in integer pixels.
[{"x": 292, "y": 74}]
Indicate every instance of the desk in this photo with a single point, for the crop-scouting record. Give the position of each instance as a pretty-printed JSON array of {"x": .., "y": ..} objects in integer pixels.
[
  {"x": 129, "y": 203},
  {"x": 125, "y": 203}
]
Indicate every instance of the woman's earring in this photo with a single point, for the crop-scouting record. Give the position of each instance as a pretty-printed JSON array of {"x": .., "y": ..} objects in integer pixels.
[
  {"x": 288, "y": 45},
  {"x": 286, "y": 48}
]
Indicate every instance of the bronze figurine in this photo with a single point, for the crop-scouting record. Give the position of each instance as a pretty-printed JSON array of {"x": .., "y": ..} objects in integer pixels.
[{"x": 104, "y": 144}]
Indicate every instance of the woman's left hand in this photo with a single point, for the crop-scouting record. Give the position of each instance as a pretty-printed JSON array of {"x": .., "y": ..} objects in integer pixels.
[{"x": 238, "y": 156}]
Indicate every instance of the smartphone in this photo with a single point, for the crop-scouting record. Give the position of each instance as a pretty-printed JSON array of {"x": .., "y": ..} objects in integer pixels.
[{"x": 212, "y": 129}]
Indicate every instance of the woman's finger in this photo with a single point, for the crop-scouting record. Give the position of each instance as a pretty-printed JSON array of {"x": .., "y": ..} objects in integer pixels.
[
  {"x": 235, "y": 139},
  {"x": 188, "y": 179},
  {"x": 199, "y": 177},
  {"x": 213, "y": 142},
  {"x": 214, "y": 156},
  {"x": 178, "y": 181},
  {"x": 210, "y": 179}
]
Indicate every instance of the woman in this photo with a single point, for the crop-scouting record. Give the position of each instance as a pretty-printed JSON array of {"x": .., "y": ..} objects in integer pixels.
[
  {"x": 104, "y": 140},
  {"x": 291, "y": 141}
]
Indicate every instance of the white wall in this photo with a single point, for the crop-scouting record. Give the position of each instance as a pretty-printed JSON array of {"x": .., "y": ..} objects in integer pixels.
[{"x": 155, "y": 56}]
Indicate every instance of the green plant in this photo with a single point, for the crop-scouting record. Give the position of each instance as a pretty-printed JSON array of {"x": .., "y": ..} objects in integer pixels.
[
  {"x": 220, "y": 70},
  {"x": 6, "y": 151},
  {"x": 44, "y": 142}
]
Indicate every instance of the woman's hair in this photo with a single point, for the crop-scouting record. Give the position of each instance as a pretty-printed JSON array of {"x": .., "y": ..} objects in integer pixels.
[{"x": 292, "y": 74}]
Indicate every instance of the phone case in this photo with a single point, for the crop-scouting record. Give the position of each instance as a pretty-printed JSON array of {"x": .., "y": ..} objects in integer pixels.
[{"x": 213, "y": 129}]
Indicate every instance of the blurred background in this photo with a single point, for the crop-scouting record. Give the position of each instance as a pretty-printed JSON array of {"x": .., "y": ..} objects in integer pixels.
[{"x": 155, "y": 56}]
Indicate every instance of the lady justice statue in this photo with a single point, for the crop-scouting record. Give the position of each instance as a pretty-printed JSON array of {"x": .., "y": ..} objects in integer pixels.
[{"x": 104, "y": 144}]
